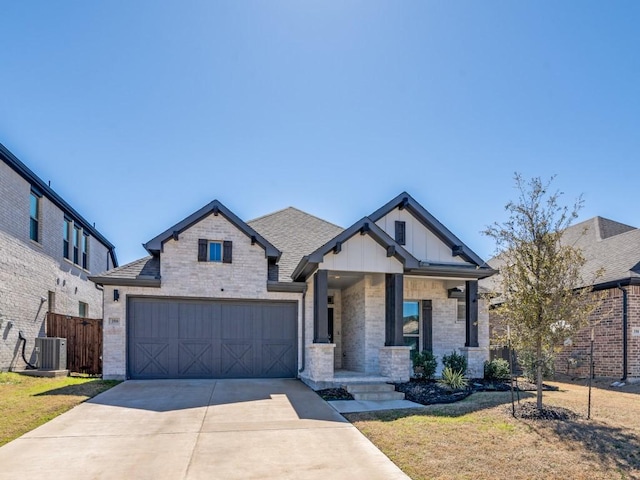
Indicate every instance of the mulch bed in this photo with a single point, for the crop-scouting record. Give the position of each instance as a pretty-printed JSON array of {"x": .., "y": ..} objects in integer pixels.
[
  {"x": 429, "y": 392},
  {"x": 329, "y": 394},
  {"x": 529, "y": 411}
]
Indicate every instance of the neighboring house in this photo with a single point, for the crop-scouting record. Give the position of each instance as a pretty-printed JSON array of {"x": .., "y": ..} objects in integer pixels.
[
  {"x": 612, "y": 269},
  {"x": 47, "y": 250},
  {"x": 291, "y": 295}
]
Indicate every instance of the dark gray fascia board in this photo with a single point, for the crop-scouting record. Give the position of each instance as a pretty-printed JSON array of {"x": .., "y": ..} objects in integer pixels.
[
  {"x": 301, "y": 268},
  {"x": 127, "y": 282},
  {"x": 452, "y": 271},
  {"x": 623, "y": 282},
  {"x": 22, "y": 170},
  {"x": 429, "y": 221},
  {"x": 295, "y": 287},
  {"x": 310, "y": 262},
  {"x": 154, "y": 246}
]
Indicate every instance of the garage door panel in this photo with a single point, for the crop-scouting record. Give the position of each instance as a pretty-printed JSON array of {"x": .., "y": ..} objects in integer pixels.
[
  {"x": 277, "y": 360},
  {"x": 170, "y": 338},
  {"x": 195, "y": 359},
  {"x": 194, "y": 321},
  {"x": 237, "y": 360},
  {"x": 152, "y": 359}
]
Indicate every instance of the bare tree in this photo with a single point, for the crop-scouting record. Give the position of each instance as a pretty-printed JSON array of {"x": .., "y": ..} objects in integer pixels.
[{"x": 540, "y": 292}]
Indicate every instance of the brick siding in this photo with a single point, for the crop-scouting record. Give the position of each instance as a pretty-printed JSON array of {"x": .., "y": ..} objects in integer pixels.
[
  {"x": 574, "y": 359},
  {"x": 30, "y": 270}
]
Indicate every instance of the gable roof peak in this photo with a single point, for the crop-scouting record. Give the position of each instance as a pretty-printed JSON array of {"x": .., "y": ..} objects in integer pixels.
[
  {"x": 154, "y": 246},
  {"x": 406, "y": 201}
]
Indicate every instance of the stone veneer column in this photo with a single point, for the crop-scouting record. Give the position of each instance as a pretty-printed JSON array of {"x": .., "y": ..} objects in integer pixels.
[
  {"x": 475, "y": 361},
  {"x": 320, "y": 361},
  {"x": 395, "y": 363}
]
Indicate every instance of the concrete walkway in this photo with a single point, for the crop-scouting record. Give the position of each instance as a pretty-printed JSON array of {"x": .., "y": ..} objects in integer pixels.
[
  {"x": 358, "y": 406},
  {"x": 198, "y": 429}
]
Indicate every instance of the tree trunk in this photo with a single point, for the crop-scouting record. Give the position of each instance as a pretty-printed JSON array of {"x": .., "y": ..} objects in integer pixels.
[{"x": 539, "y": 373}]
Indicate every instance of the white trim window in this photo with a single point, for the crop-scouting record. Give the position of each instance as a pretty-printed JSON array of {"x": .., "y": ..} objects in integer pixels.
[
  {"x": 411, "y": 323},
  {"x": 214, "y": 251}
]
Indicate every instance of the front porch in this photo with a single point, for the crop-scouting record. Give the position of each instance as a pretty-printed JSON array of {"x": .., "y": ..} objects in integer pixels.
[{"x": 361, "y": 327}]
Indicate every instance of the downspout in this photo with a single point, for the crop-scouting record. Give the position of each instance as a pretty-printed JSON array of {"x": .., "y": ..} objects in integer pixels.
[
  {"x": 302, "y": 358},
  {"x": 624, "y": 332}
]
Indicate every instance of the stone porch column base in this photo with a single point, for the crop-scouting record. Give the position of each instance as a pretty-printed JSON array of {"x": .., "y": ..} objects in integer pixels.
[
  {"x": 319, "y": 359},
  {"x": 395, "y": 363},
  {"x": 476, "y": 357}
]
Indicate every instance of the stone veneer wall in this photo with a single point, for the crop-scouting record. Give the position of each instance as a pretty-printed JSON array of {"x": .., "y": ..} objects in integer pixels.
[
  {"x": 353, "y": 327},
  {"x": 449, "y": 333},
  {"x": 374, "y": 307}
]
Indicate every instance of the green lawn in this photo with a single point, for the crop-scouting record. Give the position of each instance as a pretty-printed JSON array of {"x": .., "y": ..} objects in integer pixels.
[{"x": 28, "y": 402}]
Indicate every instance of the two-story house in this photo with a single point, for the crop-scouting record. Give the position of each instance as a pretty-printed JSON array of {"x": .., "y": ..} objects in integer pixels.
[{"x": 47, "y": 251}]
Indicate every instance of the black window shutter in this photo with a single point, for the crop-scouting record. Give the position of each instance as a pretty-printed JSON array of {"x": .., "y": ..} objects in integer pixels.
[
  {"x": 226, "y": 251},
  {"x": 202, "y": 249},
  {"x": 400, "y": 232}
]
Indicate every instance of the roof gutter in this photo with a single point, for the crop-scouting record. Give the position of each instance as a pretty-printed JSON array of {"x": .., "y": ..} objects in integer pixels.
[{"x": 625, "y": 321}]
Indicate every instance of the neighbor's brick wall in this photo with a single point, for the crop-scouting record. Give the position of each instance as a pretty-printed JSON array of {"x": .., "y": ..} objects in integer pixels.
[
  {"x": 26, "y": 276},
  {"x": 607, "y": 354},
  {"x": 183, "y": 276},
  {"x": 29, "y": 270}
]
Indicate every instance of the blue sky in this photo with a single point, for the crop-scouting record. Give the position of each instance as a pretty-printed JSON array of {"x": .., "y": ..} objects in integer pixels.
[{"x": 139, "y": 113}]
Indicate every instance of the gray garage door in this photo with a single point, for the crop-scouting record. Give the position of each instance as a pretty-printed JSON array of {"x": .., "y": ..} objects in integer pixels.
[{"x": 169, "y": 338}]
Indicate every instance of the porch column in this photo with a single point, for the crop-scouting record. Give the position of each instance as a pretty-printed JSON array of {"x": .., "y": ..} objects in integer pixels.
[
  {"x": 471, "y": 299},
  {"x": 394, "y": 296},
  {"x": 320, "y": 307}
]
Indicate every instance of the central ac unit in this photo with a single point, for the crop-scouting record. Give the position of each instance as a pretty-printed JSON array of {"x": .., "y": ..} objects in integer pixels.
[{"x": 52, "y": 353}]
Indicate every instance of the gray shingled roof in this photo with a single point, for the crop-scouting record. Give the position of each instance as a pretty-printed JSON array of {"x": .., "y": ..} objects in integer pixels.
[
  {"x": 145, "y": 267},
  {"x": 296, "y": 234},
  {"x": 607, "y": 245}
]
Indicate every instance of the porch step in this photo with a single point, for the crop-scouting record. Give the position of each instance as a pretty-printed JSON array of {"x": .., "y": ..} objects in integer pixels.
[
  {"x": 370, "y": 387},
  {"x": 374, "y": 391}
]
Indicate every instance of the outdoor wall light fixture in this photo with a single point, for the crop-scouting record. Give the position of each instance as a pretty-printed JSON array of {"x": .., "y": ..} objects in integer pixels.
[
  {"x": 456, "y": 293},
  {"x": 116, "y": 295}
]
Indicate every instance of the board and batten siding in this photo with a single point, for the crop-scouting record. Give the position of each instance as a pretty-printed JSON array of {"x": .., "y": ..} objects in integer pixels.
[
  {"x": 361, "y": 253},
  {"x": 419, "y": 240}
]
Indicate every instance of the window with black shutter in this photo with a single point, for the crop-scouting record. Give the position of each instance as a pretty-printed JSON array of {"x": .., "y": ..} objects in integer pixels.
[
  {"x": 203, "y": 245},
  {"x": 227, "y": 251},
  {"x": 214, "y": 251},
  {"x": 401, "y": 229}
]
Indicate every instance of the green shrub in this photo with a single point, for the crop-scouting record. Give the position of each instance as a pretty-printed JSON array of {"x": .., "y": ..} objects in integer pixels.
[
  {"x": 497, "y": 369},
  {"x": 453, "y": 379},
  {"x": 424, "y": 364},
  {"x": 527, "y": 361},
  {"x": 456, "y": 362}
]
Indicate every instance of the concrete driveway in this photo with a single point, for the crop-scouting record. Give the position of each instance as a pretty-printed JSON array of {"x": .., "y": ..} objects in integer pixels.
[{"x": 193, "y": 429}]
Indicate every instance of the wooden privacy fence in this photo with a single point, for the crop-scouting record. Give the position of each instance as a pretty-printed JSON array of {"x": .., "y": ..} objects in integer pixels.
[{"x": 84, "y": 341}]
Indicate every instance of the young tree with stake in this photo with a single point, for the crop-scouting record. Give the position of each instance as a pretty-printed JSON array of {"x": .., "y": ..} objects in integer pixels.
[{"x": 540, "y": 292}]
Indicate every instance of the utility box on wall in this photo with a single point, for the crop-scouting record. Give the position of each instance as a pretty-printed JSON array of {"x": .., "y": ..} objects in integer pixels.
[{"x": 52, "y": 353}]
